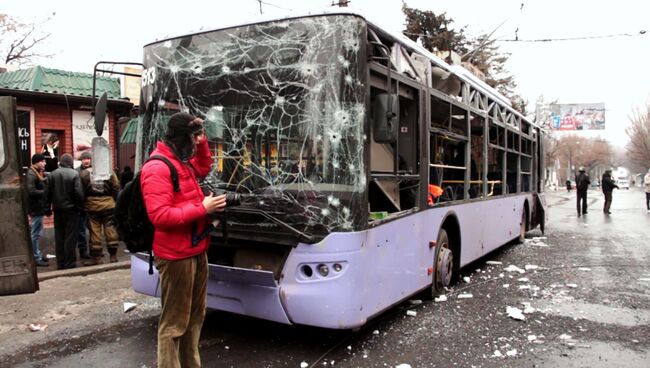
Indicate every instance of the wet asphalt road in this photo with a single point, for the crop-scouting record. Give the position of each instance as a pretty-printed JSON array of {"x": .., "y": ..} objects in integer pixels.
[{"x": 585, "y": 304}]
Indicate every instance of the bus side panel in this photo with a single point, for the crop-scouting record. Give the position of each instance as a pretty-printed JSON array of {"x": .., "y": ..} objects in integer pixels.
[
  {"x": 390, "y": 263},
  {"x": 144, "y": 283},
  {"x": 487, "y": 225}
]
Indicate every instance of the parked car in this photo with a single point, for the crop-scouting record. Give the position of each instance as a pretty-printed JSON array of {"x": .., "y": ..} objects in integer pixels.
[
  {"x": 623, "y": 184},
  {"x": 595, "y": 183}
]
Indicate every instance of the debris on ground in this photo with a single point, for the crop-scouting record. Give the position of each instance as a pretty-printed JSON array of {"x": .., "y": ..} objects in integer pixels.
[
  {"x": 513, "y": 268},
  {"x": 497, "y": 354},
  {"x": 466, "y": 279},
  {"x": 50, "y": 256},
  {"x": 304, "y": 365},
  {"x": 465, "y": 296},
  {"x": 129, "y": 306},
  {"x": 515, "y": 313},
  {"x": 441, "y": 298},
  {"x": 411, "y": 313},
  {"x": 493, "y": 262},
  {"x": 531, "y": 267},
  {"x": 403, "y": 365},
  {"x": 37, "y": 327},
  {"x": 415, "y": 301},
  {"x": 512, "y": 352},
  {"x": 587, "y": 269}
]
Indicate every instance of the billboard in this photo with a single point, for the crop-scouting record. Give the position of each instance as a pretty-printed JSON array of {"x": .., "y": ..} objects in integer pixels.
[
  {"x": 83, "y": 132},
  {"x": 576, "y": 116}
]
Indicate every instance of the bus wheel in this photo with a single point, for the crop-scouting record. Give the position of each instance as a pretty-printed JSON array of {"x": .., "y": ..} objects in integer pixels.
[
  {"x": 444, "y": 264},
  {"x": 522, "y": 226}
]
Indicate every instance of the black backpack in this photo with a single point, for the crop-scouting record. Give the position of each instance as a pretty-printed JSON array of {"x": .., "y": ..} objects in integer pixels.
[{"x": 133, "y": 224}]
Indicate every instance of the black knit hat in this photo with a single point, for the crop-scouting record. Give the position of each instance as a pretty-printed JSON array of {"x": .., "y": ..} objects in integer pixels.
[
  {"x": 37, "y": 157},
  {"x": 85, "y": 154},
  {"x": 182, "y": 123},
  {"x": 179, "y": 132}
]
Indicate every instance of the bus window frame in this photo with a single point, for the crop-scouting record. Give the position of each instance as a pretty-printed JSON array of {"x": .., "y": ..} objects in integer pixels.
[{"x": 410, "y": 90}]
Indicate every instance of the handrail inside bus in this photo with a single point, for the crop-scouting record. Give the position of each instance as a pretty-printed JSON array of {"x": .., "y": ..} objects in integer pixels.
[{"x": 448, "y": 166}]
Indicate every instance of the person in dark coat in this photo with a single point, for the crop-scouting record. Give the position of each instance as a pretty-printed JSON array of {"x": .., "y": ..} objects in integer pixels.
[
  {"x": 582, "y": 184},
  {"x": 35, "y": 185},
  {"x": 126, "y": 177},
  {"x": 608, "y": 186},
  {"x": 65, "y": 193}
]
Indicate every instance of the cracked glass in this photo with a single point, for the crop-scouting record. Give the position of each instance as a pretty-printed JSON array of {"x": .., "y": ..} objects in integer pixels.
[{"x": 284, "y": 105}]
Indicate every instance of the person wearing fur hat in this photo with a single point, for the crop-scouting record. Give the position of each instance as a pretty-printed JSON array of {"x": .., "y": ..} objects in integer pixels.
[
  {"x": 82, "y": 242},
  {"x": 35, "y": 185},
  {"x": 181, "y": 236},
  {"x": 65, "y": 193}
]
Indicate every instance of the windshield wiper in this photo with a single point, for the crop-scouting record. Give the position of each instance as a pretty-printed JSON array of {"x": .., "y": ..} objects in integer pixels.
[{"x": 301, "y": 235}]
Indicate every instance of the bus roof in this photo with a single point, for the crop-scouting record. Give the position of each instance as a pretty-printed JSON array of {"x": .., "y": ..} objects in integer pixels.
[{"x": 457, "y": 70}]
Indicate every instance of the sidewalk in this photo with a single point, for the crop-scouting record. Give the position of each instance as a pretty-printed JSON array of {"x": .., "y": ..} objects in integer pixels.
[{"x": 47, "y": 247}]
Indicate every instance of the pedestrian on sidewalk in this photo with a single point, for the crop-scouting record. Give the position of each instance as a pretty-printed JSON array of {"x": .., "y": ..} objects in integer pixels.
[
  {"x": 82, "y": 241},
  {"x": 126, "y": 177},
  {"x": 36, "y": 204},
  {"x": 608, "y": 186},
  {"x": 99, "y": 206},
  {"x": 582, "y": 184},
  {"x": 181, "y": 237},
  {"x": 646, "y": 184},
  {"x": 65, "y": 194}
]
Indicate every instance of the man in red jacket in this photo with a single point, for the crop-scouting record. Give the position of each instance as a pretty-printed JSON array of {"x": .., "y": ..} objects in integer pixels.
[{"x": 180, "y": 237}]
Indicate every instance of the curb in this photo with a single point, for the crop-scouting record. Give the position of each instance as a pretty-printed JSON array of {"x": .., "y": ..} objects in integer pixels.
[{"x": 83, "y": 271}]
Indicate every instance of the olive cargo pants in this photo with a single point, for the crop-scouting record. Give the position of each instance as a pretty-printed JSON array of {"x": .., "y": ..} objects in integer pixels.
[
  {"x": 183, "y": 285},
  {"x": 102, "y": 223}
]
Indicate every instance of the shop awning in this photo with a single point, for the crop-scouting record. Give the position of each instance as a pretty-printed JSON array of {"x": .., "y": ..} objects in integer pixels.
[{"x": 130, "y": 131}]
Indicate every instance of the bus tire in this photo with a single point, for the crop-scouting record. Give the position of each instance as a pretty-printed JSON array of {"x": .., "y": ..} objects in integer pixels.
[
  {"x": 523, "y": 225},
  {"x": 443, "y": 264}
]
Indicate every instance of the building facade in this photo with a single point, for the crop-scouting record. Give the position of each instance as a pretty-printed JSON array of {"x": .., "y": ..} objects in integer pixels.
[{"x": 55, "y": 108}]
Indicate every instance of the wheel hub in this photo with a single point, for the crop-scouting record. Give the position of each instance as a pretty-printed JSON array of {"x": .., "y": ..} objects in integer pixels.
[{"x": 444, "y": 267}]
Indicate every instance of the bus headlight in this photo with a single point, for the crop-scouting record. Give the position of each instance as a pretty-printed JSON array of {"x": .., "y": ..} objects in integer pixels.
[
  {"x": 323, "y": 270},
  {"x": 337, "y": 267}
]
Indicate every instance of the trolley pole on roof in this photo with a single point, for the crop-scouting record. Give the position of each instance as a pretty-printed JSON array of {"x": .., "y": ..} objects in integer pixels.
[{"x": 341, "y": 3}]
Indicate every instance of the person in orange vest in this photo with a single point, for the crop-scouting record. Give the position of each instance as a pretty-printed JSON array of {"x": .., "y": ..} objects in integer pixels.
[{"x": 434, "y": 193}]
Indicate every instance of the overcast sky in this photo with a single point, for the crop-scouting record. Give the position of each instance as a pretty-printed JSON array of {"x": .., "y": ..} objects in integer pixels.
[{"x": 613, "y": 70}]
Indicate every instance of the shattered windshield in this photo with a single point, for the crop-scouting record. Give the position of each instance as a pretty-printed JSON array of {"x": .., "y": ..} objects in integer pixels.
[{"x": 284, "y": 105}]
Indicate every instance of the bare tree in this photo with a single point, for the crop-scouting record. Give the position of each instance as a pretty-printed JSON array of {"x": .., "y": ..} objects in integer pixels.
[
  {"x": 591, "y": 153},
  {"x": 551, "y": 148},
  {"x": 638, "y": 148},
  {"x": 19, "y": 41}
]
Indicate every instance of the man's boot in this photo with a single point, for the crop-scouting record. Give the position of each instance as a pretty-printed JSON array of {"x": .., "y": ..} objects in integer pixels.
[
  {"x": 94, "y": 261},
  {"x": 113, "y": 255}
]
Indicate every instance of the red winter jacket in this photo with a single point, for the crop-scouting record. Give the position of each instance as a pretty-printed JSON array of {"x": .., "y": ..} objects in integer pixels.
[{"x": 173, "y": 213}]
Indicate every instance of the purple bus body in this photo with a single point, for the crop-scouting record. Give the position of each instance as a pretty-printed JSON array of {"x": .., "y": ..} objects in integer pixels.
[{"x": 381, "y": 266}]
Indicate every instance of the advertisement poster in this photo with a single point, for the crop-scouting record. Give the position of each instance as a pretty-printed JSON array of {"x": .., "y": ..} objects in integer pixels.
[
  {"x": 83, "y": 132},
  {"x": 577, "y": 116}
]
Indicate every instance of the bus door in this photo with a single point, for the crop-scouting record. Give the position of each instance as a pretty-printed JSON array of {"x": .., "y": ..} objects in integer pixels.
[{"x": 17, "y": 268}]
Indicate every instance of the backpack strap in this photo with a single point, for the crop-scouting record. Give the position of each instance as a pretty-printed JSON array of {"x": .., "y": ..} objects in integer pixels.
[{"x": 172, "y": 170}]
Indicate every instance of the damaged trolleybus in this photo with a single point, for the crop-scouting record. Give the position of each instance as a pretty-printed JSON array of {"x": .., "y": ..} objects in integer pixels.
[{"x": 330, "y": 131}]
